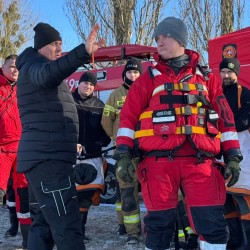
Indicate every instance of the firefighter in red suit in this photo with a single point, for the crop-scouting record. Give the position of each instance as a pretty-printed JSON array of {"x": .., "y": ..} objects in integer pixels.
[
  {"x": 178, "y": 118},
  {"x": 10, "y": 131}
]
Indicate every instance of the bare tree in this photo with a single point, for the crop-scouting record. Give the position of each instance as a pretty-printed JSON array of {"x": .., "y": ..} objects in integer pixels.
[
  {"x": 15, "y": 26},
  {"x": 203, "y": 18},
  {"x": 122, "y": 21},
  {"x": 227, "y": 17}
]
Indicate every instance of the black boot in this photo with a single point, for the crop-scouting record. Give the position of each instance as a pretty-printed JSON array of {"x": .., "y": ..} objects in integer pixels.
[
  {"x": 121, "y": 229},
  {"x": 12, "y": 231},
  {"x": 84, "y": 216},
  {"x": 25, "y": 232}
]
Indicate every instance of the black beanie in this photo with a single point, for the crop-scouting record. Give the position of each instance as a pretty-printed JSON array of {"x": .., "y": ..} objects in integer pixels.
[
  {"x": 232, "y": 64},
  {"x": 132, "y": 64},
  {"x": 44, "y": 35},
  {"x": 88, "y": 77},
  {"x": 173, "y": 27}
]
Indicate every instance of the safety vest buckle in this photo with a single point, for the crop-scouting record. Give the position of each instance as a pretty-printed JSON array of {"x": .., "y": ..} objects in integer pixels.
[
  {"x": 184, "y": 86},
  {"x": 199, "y": 86},
  {"x": 201, "y": 111},
  {"x": 190, "y": 99},
  {"x": 187, "y": 110},
  {"x": 187, "y": 130},
  {"x": 169, "y": 86}
]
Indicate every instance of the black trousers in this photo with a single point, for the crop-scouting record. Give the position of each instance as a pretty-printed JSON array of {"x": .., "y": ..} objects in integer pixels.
[{"x": 53, "y": 207}]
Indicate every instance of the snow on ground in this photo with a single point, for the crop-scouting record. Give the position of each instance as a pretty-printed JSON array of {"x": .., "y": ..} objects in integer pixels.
[{"x": 101, "y": 227}]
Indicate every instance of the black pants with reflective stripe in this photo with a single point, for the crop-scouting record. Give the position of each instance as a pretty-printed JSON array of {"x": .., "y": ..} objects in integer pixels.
[{"x": 54, "y": 208}]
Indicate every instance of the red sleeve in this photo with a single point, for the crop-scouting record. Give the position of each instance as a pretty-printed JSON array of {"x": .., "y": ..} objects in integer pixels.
[{"x": 136, "y": 101}]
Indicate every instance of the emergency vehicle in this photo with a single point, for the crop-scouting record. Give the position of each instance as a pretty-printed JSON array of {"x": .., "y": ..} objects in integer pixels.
[{"x": 108, "y": 64}]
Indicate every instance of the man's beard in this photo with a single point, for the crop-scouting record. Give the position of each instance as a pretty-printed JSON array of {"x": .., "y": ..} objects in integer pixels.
[{"x": 228, "y": 82}]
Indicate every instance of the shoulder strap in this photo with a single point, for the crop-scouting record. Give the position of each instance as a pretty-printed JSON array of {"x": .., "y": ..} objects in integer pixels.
[{"x": 239, "y": 96}]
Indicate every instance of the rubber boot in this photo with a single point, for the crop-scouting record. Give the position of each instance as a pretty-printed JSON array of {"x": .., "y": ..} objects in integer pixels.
[
  {"x": 25, "y": 232},
  {"x": 246, "y": 234},
  {"x": 84, "y": 216},
  {"x": 12, "y": 231}
]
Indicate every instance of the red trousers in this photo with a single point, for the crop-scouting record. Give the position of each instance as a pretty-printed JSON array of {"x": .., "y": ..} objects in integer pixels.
[{"x": 205, "y": 195}]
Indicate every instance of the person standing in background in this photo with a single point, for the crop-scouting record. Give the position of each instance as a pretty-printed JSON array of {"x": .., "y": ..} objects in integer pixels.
[
  {"x": 92, "y": 138},
  {"x": 10, "y": 132},
  {"x": 127, "y": 205},
  {"x": 237, "y": 206}
]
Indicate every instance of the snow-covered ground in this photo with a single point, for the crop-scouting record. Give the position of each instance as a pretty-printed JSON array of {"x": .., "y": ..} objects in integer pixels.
[{"x": 101, "y": 227}]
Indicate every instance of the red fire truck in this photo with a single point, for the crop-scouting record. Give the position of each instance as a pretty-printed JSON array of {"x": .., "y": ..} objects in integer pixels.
[{"x": 108, "y": 65}]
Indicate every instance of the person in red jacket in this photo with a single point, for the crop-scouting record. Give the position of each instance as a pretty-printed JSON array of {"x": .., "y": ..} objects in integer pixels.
[
  {"x": 10, "y": 126},
  {"x": 178, "y": 119},
  {"x": 10, "y": 132}
]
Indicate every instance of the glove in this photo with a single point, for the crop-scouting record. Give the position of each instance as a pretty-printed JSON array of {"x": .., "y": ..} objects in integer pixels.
[
  {"x": 125, "y": 168},
  {"x": 233, "y": 170}
]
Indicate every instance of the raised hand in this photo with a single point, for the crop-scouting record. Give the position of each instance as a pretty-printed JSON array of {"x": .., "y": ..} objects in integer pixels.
[{"x": 91, "y": 45}]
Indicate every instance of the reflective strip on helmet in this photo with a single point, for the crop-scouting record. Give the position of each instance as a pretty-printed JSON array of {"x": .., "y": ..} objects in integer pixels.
[
  {"x": 118, "y": 206},
  {"x": 131, "y": 219},
  {"x": 228, "y": 136},
  {"x": 127, "y": 132}
]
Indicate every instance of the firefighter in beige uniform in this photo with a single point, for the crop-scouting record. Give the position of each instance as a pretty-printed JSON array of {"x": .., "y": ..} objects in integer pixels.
[{"x": 127, "y": 205}]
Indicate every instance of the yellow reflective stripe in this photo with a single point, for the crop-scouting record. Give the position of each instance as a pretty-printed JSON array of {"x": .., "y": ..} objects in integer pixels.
[
  {"x": 228, "y": 136},
  {"x": 189, "y": 230},
  {"x": 181, "y": 110},
  {"x": 181, "y": 233},
  {"x": 131, "y": 219},
  {"x": 142, "y": 133},
  {"x": 178, "y": 131},
  {"x": 109, "y": 108},
  {"x": 145, "y": 115},
  {"x": 195, "y": 130},
  {"x": 118, "y": 206}
]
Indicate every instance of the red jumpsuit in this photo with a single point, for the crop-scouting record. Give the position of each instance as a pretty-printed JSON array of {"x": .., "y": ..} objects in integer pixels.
[
  {"x": 10, "y": 131},
  {"x": 180, "y": 122}
]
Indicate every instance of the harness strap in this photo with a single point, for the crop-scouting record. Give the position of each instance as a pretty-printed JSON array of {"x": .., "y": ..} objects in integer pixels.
[
  {"x": 187, "y": 110},
  {"x": 181, "y": 86},
  {"x": 183, "y": 130}
]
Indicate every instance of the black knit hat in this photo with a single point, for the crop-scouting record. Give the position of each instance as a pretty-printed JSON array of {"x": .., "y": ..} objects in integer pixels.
[
  {"x": 232, "y": 64},
  {"x": 44, "y": 35},
  {"x": 88, "y": 77},
  {"x": 173, "y": 27},
  {"x": 132, "y": 64}
]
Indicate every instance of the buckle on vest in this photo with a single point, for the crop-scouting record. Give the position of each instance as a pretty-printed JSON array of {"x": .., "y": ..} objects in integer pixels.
[
  {"x": 201, "y": 111},
  {"x": 169, "y": 86},
  {"x": 187, "y": 110},
  {"x": 199, "y": 86},
  {"x": 187, "y": 130},
  {"x": 190, "y": 99},
  {"x": 183, "y": 86}
]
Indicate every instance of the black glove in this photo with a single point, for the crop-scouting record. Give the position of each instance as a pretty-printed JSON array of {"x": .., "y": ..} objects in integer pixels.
[
  {"x": 233, "y": 170},
  {"x": 125, "y": 168},
  {"x": 84, "y": 173}
]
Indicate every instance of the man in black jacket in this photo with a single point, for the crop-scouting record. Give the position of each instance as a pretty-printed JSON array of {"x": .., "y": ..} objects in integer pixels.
[
  {"x": 92, "y": 138},
  {"x": 237, "y": 206},
  {"x": 47, "y": 148}
]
